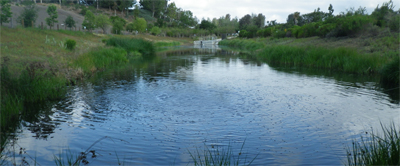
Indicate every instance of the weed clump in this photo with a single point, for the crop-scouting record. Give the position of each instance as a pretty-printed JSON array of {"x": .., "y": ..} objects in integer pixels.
[
  {"x": 70, "y": 44},
  {"x": 146, "y": 48},
  {"x": 376, "y": 150},
  {"x": 390, "y": 74}
]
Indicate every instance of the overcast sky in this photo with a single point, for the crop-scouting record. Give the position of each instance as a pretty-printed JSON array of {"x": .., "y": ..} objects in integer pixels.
[{"x": 272, "y": 9}]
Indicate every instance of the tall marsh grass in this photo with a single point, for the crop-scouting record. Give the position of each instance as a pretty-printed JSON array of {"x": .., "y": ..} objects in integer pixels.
[
  {"x": 34, "y": 84},
  {"x": 341, "y": 59},
  {"x": 376, "y": 149},
  {"x": 390, "y": 74},
  {"x": 144, "y": 47},
  {"x": 219, "y": 156},
  {"x": 100, "y": 59}
]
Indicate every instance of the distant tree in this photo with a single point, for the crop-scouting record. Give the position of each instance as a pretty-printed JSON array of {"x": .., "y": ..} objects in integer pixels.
[
  {"x": 207, "y": 25},
  {"x": 380, "y": 12},
  {"x": 117, "y": 27},
  {"x": 140, "y": 25},
  {"x": 187, "y": 18},
  {"x": 296, "y": 16},
  {"x": 172, "y": 11},
  {"x": 117, "y": 18},
  {"x": 5, "y": 11},
  {"x": 155, "y": 30},
  {"x": 331, "y": 10},
  {"x": 130, "y": 27},
  {"x": 28, "y": 15},
  {"x": 90, "y": 21},
  {"x": 155, "y": 6},
  {"x": 245, "y": 21},
  {"x": 69, "y": 22},
  {"x": 52, "y": 11},
  {"x": 259, "y": 20},
  {"x": 136, "y": 11},
  {"x": 102, "y": 21}
]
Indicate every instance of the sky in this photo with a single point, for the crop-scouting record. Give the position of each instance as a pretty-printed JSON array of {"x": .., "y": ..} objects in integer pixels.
[{"x": 272, "y": 9}]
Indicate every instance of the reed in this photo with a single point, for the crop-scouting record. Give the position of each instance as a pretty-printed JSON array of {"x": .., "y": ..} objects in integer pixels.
[
  {"x": 100, "y": 59},
  {"x": 342, "y": 59},
  {"x": 375, "y": 149},
  {"x": 146, "y": 48},
  {"x": 218, "y": 156},
  {"x": 390, "y": 74},
  {"x": 35, "y": 84},
  {"x": 249, "y": 45}
]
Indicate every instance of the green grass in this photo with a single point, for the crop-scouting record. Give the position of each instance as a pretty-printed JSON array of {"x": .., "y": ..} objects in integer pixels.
[
  {"x": 100, "y": 59},
  {"x": 390, "y": 74},
  {"x": 381, "y": 149},
  {"x": 146, "y": 48},
  {"x": 219, "y": 156},
  {"x": 166, "y": 44},
  {"x": 339, "y": 58},
  {"x": 35, "y": 84}
]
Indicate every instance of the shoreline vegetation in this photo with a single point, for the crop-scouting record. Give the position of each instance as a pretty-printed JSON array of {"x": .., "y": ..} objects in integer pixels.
[
  {"x": 342, "y": 59},
  {"x": 37, "y": 64}
]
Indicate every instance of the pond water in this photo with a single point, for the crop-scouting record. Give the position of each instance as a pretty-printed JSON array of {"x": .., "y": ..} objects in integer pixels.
[{"x": 192, "y": 99}]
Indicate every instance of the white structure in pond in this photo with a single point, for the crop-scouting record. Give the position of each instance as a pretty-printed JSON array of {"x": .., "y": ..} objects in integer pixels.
[{"x": 207, "y": 42}]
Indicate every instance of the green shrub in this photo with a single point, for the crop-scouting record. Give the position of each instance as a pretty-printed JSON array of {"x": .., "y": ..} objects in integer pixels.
[
  {"x": 155, "y": 30},
  {"x": 70, "y": 44},
  {"x": 130, "y": 27},
  {"x": 394, "y": 23},
  {"x": 350, "y": 25},
  {"x": 279, "y": 34},
  {"x": 390, "y": 73}
]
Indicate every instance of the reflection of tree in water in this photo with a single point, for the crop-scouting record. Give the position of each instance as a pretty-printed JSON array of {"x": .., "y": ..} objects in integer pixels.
[{"x": 37, "y": 119}]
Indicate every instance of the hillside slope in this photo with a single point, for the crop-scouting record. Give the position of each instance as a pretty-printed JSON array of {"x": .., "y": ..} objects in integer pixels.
[{"x": 42, "y": 15}]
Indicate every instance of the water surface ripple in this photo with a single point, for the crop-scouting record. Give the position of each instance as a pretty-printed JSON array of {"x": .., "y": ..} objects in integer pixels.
[{"x": 155, "y": 115}]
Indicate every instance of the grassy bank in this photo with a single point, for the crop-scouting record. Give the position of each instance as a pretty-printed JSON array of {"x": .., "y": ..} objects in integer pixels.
[
  {"x": 37, "y": 67},
  {"x": 339, "y": 58}
]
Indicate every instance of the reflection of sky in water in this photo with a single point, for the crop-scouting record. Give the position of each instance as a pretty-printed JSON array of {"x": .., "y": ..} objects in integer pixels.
[{"x": 287, "y": 118}]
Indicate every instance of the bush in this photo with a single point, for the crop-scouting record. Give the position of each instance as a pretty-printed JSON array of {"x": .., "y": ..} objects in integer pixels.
[
  {"x": 390, "y": 73},
  {"x": 394, "y": 23},
  {"x": 155, "y": 30},
  {"x": 350, "y": 25},
  {"x": 70, "y": 44},
  {"x": 130, "y": 27}
]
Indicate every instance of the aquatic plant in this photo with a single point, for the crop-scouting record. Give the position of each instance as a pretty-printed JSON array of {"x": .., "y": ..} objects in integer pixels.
[
  {"x": 218, "y": 156},
  {"x": 100, "y": 59},
  {"x": 376, "y": 149},
  {"x": 390, "y": 74}
]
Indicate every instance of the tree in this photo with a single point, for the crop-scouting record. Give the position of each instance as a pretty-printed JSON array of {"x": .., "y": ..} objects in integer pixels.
[
  {"x": 136, "y": 11},
  {"x": 245, "y": 21},
  {"x": 140, "y": 25},
  {"x": 90, "y": 21},
  {"x": 207, "y": 25},
  {"x": 52, "y": 11},
  {"x": 155, "y": 6},
  {"x": 28, "y": 15},
  {"x": 5, "y": 11},
  {"x": 118, "y": 26},
  {"x": 330, "y": 10},
  {"x": 102, "y": 21},
  {"x": 69, "y": 22},
  {"x": 130, "y": 27},
  {"x": 259, "y": 21},
  {"x": 172, "y": 11}
]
